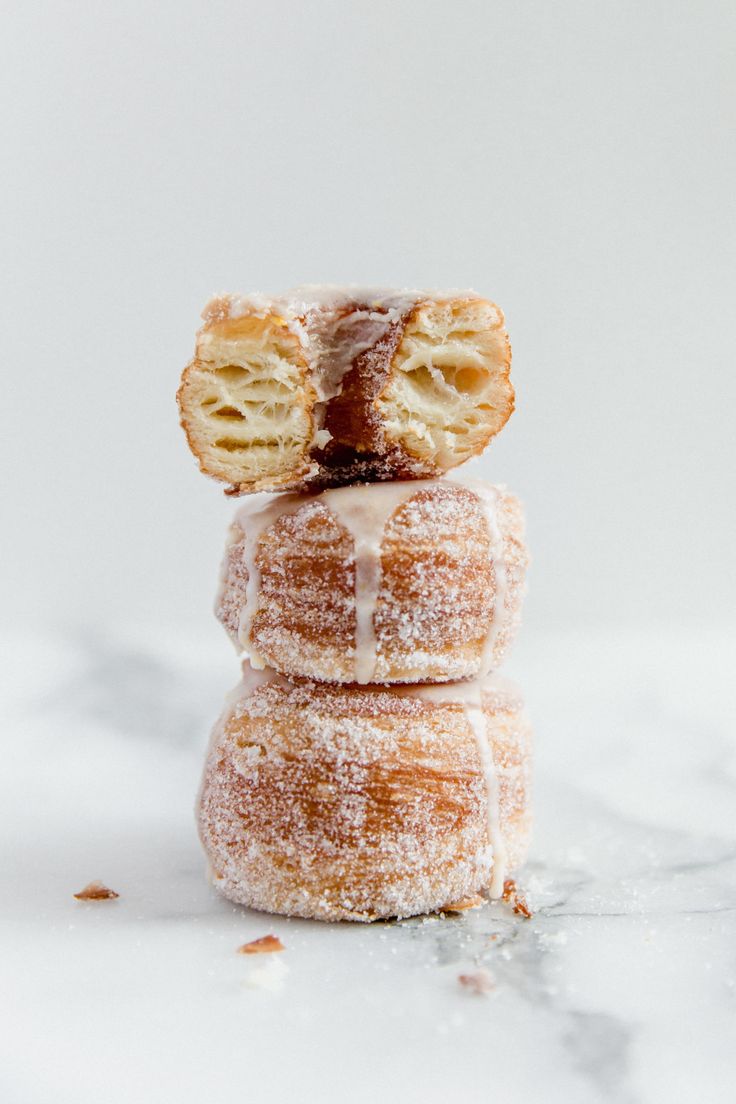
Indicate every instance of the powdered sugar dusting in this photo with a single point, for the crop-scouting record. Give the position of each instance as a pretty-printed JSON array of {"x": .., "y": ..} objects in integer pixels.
[
  {"x": 356, "y": 803},
  {"x": 449, "y": 589}
]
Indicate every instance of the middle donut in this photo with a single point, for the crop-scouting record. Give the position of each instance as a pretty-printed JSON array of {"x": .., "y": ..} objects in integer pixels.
[{"x": 418, "y": 581}]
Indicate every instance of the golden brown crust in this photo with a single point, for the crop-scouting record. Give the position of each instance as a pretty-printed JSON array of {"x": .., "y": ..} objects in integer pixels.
[
  {"x": 246, "y": 402},
  {"x": 448, "y": 391},
  {"x": 267, "y": 944},
  {"x": 345, "y": 803},
  {"x": 438, "y": 600},
  {"x": 426, "y": 389},
  {"x": 96, "y": 891}
]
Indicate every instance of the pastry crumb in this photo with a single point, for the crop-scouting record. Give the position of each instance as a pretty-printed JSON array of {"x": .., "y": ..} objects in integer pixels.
[
  {"x": 509, "y": 889},
  {"x": 96, "y": 891},
  {"x": 265, "y": 945},
  {"x": 513, "y": 897},
  {"x": 479, "y": 982},
  {"x": 522, "y": 908}
]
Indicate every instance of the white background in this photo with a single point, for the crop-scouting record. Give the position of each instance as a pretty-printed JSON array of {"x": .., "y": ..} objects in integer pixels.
[{"x": 571, "y": 160}]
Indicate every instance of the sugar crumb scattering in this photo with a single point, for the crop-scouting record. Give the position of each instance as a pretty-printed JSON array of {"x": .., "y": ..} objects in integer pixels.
[
  {"x": 265, "y": 945},
  {"x": 96, "y": 891}
]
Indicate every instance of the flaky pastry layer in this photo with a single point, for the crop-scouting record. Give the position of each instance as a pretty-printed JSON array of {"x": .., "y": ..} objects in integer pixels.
[{"x": 329, "y": 386}]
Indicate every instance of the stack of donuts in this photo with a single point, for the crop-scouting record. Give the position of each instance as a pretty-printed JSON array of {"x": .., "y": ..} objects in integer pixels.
[{"x": 370, "y": 763}]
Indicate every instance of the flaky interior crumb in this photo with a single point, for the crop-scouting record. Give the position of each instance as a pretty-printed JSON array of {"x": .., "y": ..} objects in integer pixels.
[
  {"x": 449, "y": 391},
  {"x": 246, "y": 402}
]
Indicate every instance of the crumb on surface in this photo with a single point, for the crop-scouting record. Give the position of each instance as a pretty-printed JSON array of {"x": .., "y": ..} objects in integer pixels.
[
  {"x": 513, "y": 897},
  {"x": 479, "y": 982},
  {"x": 96, "y": 891},
  {"x": 522, "y": 908},
  {"x": 264, "y": 945}
]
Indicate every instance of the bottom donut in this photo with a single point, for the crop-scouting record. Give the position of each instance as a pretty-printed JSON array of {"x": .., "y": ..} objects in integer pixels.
[{"x": 360, "y": 803}]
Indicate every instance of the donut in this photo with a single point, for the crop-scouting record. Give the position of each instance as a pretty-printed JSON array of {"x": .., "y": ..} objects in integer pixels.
[
  {"x": 383, "y": 583},
  {"x": 327, "y": 386},
  {"x": 353, "y": 803}
]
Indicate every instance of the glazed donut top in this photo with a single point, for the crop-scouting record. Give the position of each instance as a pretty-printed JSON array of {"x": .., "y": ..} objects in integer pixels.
[{"x": 364, "y": 511}]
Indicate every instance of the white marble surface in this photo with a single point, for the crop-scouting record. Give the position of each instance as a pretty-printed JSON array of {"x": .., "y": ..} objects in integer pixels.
[{"x": 621, "y": 987}]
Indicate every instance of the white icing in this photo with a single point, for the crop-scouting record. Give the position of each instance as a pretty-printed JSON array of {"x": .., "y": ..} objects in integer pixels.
[
  {"x": 299, "y": 300},
  {"x": 470, "y": 695},
  {"x": 477, "y": 720},
  {"x": 364, "y": 512},
  {"x": 341, "y": 323},
  {"x": 337, "y": 341},
  {"x": 251, "y": 678},
  {"x": 489, "y": 497},
  {"x": 254, "y": 518}
]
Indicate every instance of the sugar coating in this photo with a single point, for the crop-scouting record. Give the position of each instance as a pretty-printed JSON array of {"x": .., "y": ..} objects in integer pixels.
[
  {"x": 357, "y": 803},
  {"x": 449, "y": 589}
]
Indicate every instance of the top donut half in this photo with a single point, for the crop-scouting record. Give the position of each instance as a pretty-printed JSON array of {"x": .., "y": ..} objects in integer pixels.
[{"x": 328, "y": 386}]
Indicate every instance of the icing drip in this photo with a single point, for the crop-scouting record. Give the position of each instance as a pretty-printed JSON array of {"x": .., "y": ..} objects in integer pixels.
[
  {"x": 470, "y": 696},
  {"x": 364, "y": 514},
  {"x": 254, "y": 522},
  {"x": 477, "y": 720},
  {"x": 489, "y": 496}
]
